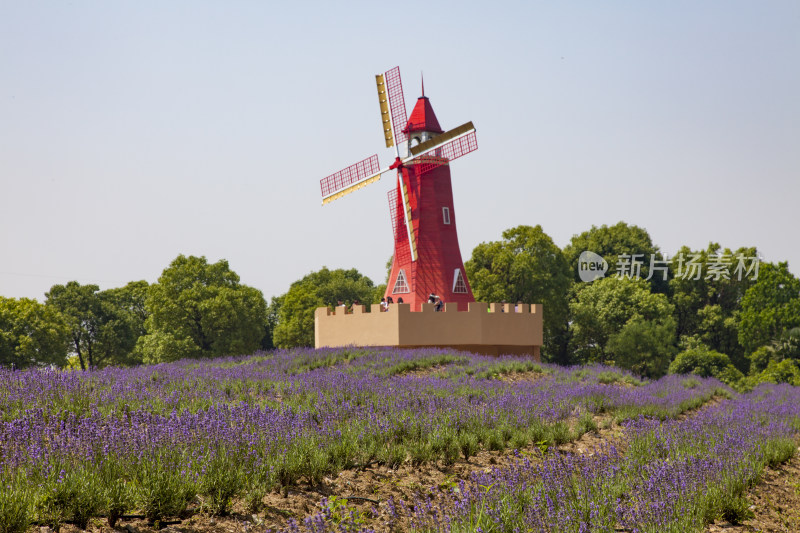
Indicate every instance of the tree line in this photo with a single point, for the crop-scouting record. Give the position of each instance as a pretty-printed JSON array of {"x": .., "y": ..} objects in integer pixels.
[{"x": 740, "y": 328}]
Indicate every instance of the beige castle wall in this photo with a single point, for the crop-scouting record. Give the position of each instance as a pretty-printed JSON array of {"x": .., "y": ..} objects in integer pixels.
[
  {"x": 475, "y": 330},
  {"x": 359, "y": 328}
]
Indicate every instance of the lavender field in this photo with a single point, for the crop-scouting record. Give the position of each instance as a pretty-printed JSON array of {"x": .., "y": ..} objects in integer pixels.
[{"x": 214, "y": 437}]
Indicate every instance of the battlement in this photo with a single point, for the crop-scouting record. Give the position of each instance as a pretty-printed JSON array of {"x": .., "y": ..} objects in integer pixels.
[{"x": 484, "y": 328}]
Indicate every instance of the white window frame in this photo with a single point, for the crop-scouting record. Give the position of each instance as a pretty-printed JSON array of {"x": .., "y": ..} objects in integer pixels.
[
  {"x": 446, "y": 215},
  {"x": 458, "y": 276},
  {"x": 398, "y": 287}
]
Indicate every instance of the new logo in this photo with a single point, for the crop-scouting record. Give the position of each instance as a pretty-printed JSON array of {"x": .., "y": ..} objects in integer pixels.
[{"x": 591, "y": 266}]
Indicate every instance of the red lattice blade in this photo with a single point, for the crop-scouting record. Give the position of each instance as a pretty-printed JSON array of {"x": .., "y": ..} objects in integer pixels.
[
  {"x": 456, "y": 134},
  {"x": 401, "y": 248},
  {"x": 440, "y": 150},
  {"x": 397, "y": 104},
  {"x": 406, "y": 201},
  {"x": 350, "y": 179}
]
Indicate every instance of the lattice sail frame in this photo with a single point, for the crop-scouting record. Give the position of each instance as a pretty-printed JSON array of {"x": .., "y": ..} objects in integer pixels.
[
  {"x": 399, "y": 226},
  {"x": 445, "y": 153},
  {"x": 397, "y": 104},
  {"x": 350, "y": 179},
  {"x": 406, "y": 201}
]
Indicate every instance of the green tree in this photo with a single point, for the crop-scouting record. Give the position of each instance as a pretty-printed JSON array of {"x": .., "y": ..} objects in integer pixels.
[
  {"x": 706, "y": 278},
  {"x": 84, "y": 313},
  {"x": 760, "y": 359},
  {"x": 131, "y": 298},
  {"x": 318, "y": 289},
  {"x": 104, "y": 325},
  {"x": 721, "y": 333},
  {"x": 124, "y": 322},
  {"x": 273, "y": 315},
  {"x": 788, "y": 346},
  {"x": 644, "y": 346},
  {"x": 199, "y": 309},
  {"x": 31, "y": 334},
  {"x": 770, "y": 307},
  {"x": 600, "y": 310},
  {"x": 611, "y": 242},
  {"x": 526, "y": 266}
]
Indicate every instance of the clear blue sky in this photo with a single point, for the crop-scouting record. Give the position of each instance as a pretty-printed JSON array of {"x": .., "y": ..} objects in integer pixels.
[{"x": 131, "y": 132}]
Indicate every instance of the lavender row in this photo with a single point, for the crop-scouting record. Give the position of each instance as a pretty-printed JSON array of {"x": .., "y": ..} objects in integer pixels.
[{"x": 674, "y": 476}]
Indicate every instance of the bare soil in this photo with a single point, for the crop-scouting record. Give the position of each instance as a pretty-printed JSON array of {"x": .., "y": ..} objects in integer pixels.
[{"x": 775, "y": 502}]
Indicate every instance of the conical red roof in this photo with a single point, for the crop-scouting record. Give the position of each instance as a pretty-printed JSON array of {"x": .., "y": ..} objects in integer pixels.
[{"x": 423, "y": 118}]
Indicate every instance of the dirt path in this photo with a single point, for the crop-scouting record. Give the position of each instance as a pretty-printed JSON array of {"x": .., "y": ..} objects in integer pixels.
[{"x": 775, "y": 502}]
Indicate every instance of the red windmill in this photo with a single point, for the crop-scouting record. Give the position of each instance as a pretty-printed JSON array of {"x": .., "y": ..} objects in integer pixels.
[{"x": 427, "y": 259}]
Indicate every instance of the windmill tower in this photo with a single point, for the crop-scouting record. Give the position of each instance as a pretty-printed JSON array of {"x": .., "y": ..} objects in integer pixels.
[{"x": 427, "y": 258}]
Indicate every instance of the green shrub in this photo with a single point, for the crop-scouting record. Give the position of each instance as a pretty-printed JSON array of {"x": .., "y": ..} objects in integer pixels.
[
  {"x": 585, "y": 424},
  {"x": 760, "y": 358},
  {"x": 161, "y": 490},
  {"x": 450, "y": 452},
  {"x": 468, "y": 443},
  {"x": 496, "y": 442},
  {"x": 560, "y": 433},
  {"x": 15, "y": 506},
  {"x": 118, "y": 500},
  {"x": 607, "y": 378},
  {"x": 700, "y": 361},
  {"x": 221, "y": 482},
  {"x": 420, "y": 451},
  {"x": 392, "y": 455},
  {"x": 784, "y": 372},
  {"x": 538, "y": 431},
  {"x": 778, "y": 451},
  {"x": 519, "y": 439},
  {"x": 736, "y": 509},
  {"x": 76, "y": 497},
  {"x": 730, "y": 375}
]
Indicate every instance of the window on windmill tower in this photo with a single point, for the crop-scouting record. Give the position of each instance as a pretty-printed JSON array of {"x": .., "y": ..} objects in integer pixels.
[
  {"x": 446, "y": 215},
  {"x": 459, "y": 285},
  {"x": 401, "y": 286}
]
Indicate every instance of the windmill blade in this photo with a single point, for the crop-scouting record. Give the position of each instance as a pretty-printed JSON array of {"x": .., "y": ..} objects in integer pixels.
[
  {"x": 456, "y": 134},
  {"x": 396, "y": 213},
  {"x": 396, "y": 104},
  {"x": 443, "y": 154},
  {"x": 386, "y": 114},
  {"x": 351, "y": 179},
  {"x": 437, "y": 152},
  {"x": 412, "y": 243}
]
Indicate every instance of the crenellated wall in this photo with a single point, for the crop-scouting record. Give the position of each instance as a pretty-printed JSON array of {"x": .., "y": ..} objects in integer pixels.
[{"x": 517, "y": 330}]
